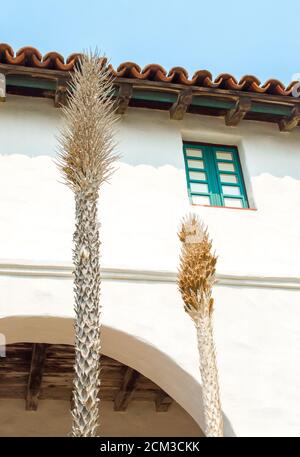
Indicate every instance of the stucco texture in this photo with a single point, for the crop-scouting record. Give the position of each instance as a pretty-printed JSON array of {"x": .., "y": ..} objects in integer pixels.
[{"x": 256, "y": 328}]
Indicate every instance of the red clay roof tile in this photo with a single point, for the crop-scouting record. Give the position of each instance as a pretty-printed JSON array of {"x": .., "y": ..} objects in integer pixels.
[{"x": 31, "y": 57}]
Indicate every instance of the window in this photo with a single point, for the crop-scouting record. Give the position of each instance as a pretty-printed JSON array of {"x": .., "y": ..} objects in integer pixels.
[{"x": 214, "y": 175}]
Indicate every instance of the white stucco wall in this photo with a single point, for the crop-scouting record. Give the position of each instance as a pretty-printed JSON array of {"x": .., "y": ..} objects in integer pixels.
[
  {"x": 150, "y": 183},
  {"x": 256, "y": 327}
]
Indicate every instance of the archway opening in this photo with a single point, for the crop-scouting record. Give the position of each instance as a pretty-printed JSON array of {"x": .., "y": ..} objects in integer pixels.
[
  {"x": 36, "y": 396},
  {"x": 143, "y": 355}
]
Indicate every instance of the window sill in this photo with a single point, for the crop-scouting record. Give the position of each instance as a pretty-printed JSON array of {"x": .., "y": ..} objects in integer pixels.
[{"x": 225, "y": 207}]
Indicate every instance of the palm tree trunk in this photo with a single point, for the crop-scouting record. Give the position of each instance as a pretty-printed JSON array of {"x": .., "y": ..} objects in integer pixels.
[
  {"x": 87, "y": 308},
  {"x": 209, "y": 375},
  {"x": 85, "y": 159}
]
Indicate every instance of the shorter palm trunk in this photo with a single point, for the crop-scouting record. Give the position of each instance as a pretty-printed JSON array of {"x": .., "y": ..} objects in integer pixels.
[
  {"x": 87, "y": 324},
  {"x": 209, "y": 375}
]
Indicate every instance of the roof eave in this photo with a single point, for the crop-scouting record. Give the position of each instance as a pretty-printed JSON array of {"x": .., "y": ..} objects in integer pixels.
[{"x": 178, "y": 99}]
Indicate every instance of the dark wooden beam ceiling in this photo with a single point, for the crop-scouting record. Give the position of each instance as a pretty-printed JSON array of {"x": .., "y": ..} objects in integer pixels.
[
  {"x": 35, "y": 376},
  {"x": 36, "y": 372},
  {"x": 126, "y": 392},
  {"x": 163, "y": 402}
]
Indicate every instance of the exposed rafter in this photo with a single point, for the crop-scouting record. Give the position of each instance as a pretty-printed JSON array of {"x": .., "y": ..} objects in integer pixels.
[
  {"x": 179, "y": 108},
  {"x": 123, "y": 98},
  {"x": 35, "y": 375},
  {"x": 236, "y": 114},
  {"x": 24, "y": 372},
  {"x": 289, "y": 123},
  {"x": 156, "y": 94},
  {"x": 163, "y": 402},
  {"x": 126, "y": 392},
  {"x": 2, "y": 87}
]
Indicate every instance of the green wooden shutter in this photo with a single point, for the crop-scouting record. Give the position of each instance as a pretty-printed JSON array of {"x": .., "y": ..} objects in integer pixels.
[{"x": 214, "y": 175}]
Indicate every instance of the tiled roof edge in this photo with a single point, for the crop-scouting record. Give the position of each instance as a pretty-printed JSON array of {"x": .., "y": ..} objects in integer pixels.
[{"x": 31, "y": 57}]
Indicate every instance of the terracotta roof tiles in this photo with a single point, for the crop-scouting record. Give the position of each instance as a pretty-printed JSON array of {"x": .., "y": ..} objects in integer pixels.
[{"x": 31, "y": 57}]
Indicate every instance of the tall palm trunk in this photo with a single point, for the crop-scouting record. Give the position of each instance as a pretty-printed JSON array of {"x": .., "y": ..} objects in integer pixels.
[
  {"x": 195, "y": 279},
  {"x": 85, "y": 160},
  {"x": 209, "y": 376},
  {"x": 87, "y": 325}
]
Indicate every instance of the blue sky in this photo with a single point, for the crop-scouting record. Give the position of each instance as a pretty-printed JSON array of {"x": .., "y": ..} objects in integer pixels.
[{"x": 238, "y": 37}]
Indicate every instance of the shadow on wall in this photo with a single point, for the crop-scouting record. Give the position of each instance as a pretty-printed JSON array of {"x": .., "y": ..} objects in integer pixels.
[
  {"x": 148, "y": 137},
  {"x": 277, "y": 155},
  {"x": 128, "y": 349}
]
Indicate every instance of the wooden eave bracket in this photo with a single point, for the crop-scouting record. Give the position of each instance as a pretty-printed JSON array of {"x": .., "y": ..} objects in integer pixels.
[
  {"x": 180, "y": 107},
  {"x": 289, "y": 123},
  {"x": 2, "y": 87},
  {"x": 38, "y": 358},
  {"x": 238, "y": 112},
  {"x": 60, "y": 98},
  {"x": 123, "y": 97}
]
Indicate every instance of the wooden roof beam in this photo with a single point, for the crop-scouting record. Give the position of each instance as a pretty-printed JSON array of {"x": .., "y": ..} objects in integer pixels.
[
  {"x": 123, "y": 97},
  {"x": 236, "y": 114},
  {"x": 163, "y": 402},
  {"x": 289, "y": 123},
  {"x": 38, "y": 358},
  {"x": 126, "y": 392},
  {"x": 180, "y": 107},
  {"x": 2, "y": 87}
]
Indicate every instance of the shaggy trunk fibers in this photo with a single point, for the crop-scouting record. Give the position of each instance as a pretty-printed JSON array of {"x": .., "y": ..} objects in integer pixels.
[
  {"x": 85, "y": 160},
  {"x": 195, "y": 280},
  {"x": 209, "y": 376},
  {"x": 87, "y": 308}
]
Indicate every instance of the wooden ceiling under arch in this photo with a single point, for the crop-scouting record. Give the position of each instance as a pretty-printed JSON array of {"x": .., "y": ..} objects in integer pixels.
[{"x": 36, "y": 371}]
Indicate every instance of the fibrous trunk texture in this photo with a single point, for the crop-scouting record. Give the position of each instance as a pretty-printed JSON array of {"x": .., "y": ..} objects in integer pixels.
[
  {"x": 209, "y": 376},
  {"x": 87, "y": 308},
  {"x": 86, "y": 160},
  {"x": 195, "y": 280}
]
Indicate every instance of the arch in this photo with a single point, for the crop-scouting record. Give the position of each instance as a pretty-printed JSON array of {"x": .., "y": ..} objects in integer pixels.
[{"x": 117, "y": 344}]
